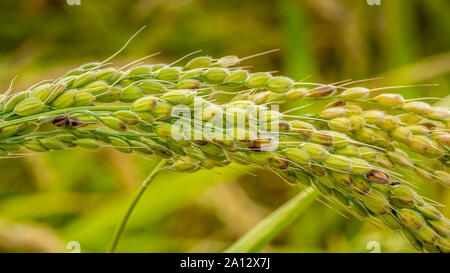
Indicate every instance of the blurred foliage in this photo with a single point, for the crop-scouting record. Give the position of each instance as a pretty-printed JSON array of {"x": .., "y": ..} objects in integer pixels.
[{"x": 79, "y": 196}]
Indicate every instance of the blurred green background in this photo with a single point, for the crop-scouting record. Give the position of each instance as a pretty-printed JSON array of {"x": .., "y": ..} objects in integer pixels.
[{"x": 48, "y": 200}]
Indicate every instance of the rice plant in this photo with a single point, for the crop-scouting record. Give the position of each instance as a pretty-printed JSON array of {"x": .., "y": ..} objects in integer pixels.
[{"x": 363, "y": 152}]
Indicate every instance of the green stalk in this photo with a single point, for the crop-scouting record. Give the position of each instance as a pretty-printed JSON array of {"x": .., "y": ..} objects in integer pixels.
[
  {"x": 268, "y": 228},
  {"x": 62, "y": 111},
  {"x": 130, "y": 209}
]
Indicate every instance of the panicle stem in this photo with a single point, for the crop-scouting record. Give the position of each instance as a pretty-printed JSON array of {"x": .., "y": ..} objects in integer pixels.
[{"x": 121, "y": 226}]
